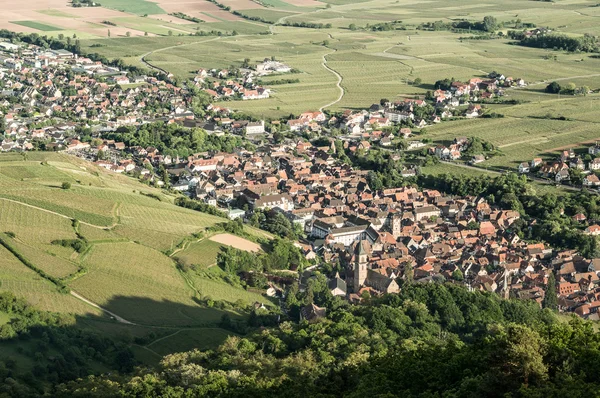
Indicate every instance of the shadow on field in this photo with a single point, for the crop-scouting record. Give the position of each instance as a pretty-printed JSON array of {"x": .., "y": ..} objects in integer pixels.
[
  {"x": 39, "y": 349},
  {"x": 148, "y": 312}
]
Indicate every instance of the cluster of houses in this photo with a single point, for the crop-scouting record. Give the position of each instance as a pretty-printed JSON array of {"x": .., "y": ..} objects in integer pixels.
[
  {"x": 559, "y": 169},
  {"x": 238, "y": 84},
  {"x": 382, "y": 237}
]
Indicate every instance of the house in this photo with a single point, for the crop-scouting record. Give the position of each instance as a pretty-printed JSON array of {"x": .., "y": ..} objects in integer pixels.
[
  {"x": 536, "y": 162},
  {"x": 426, "y": 212},
  {"x": 524, "y": 168},
  {"x": 591, "y": 180},
  {"x": 594, "y": 150},
  {"x": 594, "y": 164},
  {"x": 593, "y": 230},
  {"x": 473, "y": 111},
  {"x": 282, "y": 201},
  {"x": 562, "y": 175},
  {"x": 477, "y": 159},
  {"x": 253, "y": 128}
]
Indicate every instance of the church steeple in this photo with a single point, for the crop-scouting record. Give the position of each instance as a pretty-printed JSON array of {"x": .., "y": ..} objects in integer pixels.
[{"x": 360, "y": 264}]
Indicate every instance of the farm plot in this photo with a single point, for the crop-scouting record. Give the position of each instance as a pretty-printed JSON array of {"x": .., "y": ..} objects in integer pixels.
[
  {"x": 163, "y": 227},
  {"x": 520, "y": 139},
  {"x": 141, "y": 285},
  {"x": 23, "y": 282},
  {"x": 33, "y": 225},
  {"x": 201, "y": 254},
  {"x": 139, "y": 7},
  {"x": 51, "y": 264},
  {"x": 36, "y": 25},
  {"x": 235, "y": 241}
]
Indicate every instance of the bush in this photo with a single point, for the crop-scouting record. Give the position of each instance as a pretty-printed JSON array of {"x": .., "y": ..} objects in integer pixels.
[{"x": 66, "y": 185}]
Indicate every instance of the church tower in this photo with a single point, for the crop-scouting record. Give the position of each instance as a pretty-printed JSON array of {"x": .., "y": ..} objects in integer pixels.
[
  {"x": 360, "y": 265},
  {"x": 396, "y": 225}
]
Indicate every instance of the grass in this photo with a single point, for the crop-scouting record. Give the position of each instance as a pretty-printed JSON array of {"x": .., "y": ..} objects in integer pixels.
[{"x": 36, "y": 25}]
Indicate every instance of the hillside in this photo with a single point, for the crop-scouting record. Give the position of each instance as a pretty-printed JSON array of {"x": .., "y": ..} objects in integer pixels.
[{"x": 106, "y": 242}]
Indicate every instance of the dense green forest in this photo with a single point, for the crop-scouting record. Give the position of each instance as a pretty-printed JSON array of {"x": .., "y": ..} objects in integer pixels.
[{"x": 431, "y": 340}]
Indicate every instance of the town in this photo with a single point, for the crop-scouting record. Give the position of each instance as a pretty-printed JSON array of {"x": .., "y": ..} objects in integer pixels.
[{"x": 54, "y": 100}]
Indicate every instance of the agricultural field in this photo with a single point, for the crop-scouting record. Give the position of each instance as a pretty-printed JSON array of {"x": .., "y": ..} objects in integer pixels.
[{"x": 146, "y": 288}]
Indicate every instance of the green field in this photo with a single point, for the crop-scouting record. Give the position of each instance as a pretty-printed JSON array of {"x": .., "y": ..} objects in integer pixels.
[
  {"x": 37, "y": 25},
  {"x": 139, "y": 7}
]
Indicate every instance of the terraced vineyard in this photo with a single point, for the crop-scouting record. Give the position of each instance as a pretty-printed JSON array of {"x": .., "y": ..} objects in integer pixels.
[{"x": 124, "y": 267}]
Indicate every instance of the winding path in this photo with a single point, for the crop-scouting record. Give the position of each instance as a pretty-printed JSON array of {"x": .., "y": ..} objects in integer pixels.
[
  {"x": 145, "y": 62},
  {"x": 338, "y": 83}
]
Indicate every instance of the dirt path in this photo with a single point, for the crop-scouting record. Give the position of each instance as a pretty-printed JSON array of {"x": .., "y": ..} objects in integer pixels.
[
  {"x": 162, "y": 338},
  {"x": 338, "y": 83},
  {"x": 145, "y": 62},
  {"x": 62, "y": 215},
  {"x": 115, "y": 316}
]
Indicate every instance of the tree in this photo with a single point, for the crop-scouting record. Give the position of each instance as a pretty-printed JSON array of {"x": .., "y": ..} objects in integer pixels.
[
  {"x": 457, "y": 275},
  {"x": 417, "y": 81},
  {"x": 553, "y": 88},
  {"x": 352, "y": 26},
  {"x": 490, "y": 23},
  {"x": 108, "y": 33},
  {"x": 170, "y": 33},
  {"x": 550, "y": 298},
  {"x": 66, "y": 185},
  {"x": 383, "y": 101},
  {"x": 128, "y": 34},
  {"x": 569, "y": 88},
  {"x": 409, "y": 273}
]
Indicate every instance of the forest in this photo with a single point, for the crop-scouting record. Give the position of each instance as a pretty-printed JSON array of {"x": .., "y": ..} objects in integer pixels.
[{"x": 431, "y": 340}]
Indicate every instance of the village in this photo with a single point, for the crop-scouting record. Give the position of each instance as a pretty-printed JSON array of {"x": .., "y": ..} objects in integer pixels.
[{"x": 377, "y": 237}]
